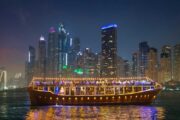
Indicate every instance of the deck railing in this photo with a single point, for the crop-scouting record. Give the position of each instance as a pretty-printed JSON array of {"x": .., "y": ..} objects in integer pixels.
[{"x": 94, "y": 86}]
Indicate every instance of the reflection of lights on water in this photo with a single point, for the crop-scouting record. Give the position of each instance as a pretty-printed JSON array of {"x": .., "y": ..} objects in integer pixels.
[
  {"x": 97, "y": 112},
  {"x": 4, "y": 110}
]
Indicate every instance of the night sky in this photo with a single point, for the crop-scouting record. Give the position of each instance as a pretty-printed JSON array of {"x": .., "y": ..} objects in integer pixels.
[{"x": 23, "y": 21}]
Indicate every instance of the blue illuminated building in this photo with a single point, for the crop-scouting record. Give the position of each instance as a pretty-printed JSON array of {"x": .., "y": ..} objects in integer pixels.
[
  {"x": 109, "y": 26},
  {"x": 109, "y": 51}
]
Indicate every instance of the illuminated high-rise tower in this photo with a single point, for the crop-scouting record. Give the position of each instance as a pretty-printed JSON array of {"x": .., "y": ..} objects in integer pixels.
[
  {"x": 152, "y": 65},
  {"x": 42, "y": 57},
  {"x": 165, "y": 64},
  {"x": 76, "y": 45},
  {"x": 31, "y": 56},
  {"x": 109, "y": 51},
  {"x": 176, "y": 70},
  {"x": 30, "y": 64},
  {"x": 90, "y": 62},
  {"x": 53, "y": 53},
  {"x": 143, "y": 57},
  {"x": 73, "y": 51},
  {"x": 135, "y": 63},
  {"x": 59, "y": 43},
  {"x": 64, "y": 45}
]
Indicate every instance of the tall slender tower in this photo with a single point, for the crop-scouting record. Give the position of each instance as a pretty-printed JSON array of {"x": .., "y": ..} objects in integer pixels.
[
  {"x": 143, "y": 57},
  {"x": 76, "y": 45},
  {"x": 177, "y": 62},
  {"x": 152, "y": 65},
  {"x": 30, "y": 64},
  {"x": 109, "y": 51},
  {"x": 165, "y": 64},
  {"x": 42, "y": 57},
  {"x": 58, "y": 49},
  {"x": 75, "y": 48},
  {"x": 135, "y": 63},
  {"x": 64, "y": 44},
  {"x": 53, "y": 53}
]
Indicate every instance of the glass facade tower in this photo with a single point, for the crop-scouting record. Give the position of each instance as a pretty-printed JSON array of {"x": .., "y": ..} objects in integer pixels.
[{"x": 109, "y": 51}]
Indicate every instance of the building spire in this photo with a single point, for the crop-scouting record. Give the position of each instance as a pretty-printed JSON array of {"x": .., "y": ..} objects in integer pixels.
[
  {"x": 61, "y": 28},
  {"x": 52, "y": 30}
]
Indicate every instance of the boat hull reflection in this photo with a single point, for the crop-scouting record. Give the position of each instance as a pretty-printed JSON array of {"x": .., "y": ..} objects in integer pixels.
[{"x": 130, "y": 112}]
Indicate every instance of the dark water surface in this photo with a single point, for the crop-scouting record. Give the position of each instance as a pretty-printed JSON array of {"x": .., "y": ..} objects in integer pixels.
[{"x": 15, "y": 105}]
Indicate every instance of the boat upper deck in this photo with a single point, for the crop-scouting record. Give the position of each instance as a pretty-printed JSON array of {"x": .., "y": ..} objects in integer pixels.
[
  {"x": 94, "y": 86},
  {"x": 122, "y": 81}
]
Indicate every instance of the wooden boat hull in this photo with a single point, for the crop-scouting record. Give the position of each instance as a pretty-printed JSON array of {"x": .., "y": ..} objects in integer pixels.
[{"x": 48, "y": 98}]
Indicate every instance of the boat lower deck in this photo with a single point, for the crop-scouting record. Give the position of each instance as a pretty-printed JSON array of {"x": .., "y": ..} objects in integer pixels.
[{"x": 48, "y": 98}]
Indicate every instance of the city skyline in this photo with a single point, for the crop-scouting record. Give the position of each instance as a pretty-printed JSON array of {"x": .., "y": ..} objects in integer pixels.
[
  {"x": 157, "y": 24},
  {"x": 64, "y": 59},
  {"x": 89, "y": 59}
]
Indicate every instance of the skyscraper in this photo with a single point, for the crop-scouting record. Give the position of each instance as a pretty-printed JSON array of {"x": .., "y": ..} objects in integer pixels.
[
  {"x": 123, "y": 67},
  {"x": 53, "y": 53},
  {"x": 143, "y": 57},
  {"x": 176, "y": 70},
  {"x": 152, "y": 65},
  {"x": 76, "y": 45},
  {"x": 42, "y": 57},
  {"x": 30, "y": 64},
  {"x": 135, "y": 63},
  {"x": 74, "y": 49},
  {"x": 109, "y": 51},
  {"x": 90, "y": 61},
  {"x": 165, "y": 64},
  {"x": 64, "y": 39},
  {"x": 120, "y": 67},
  {"x": 58, "y": 49}
]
